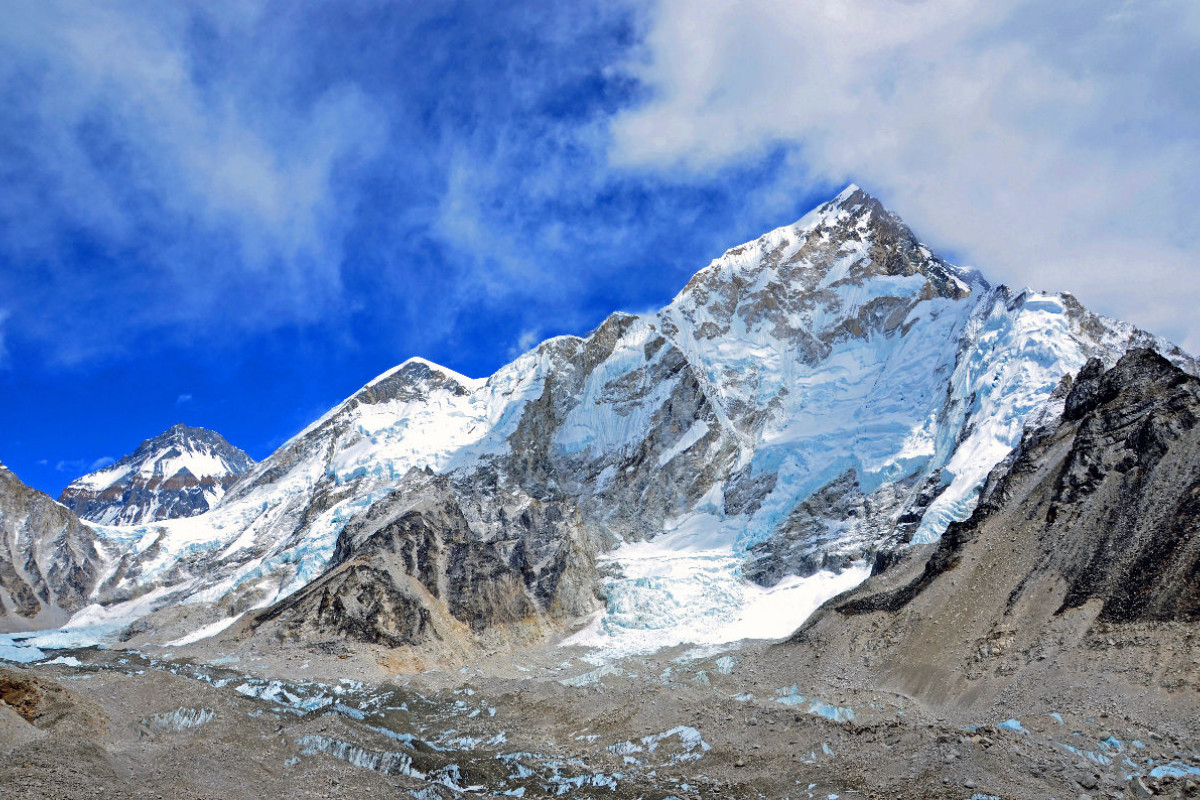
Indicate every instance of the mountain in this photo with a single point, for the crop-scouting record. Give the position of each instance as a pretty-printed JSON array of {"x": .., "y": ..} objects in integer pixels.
[
  {"x": 49, "y": 560},
  {"x": 708, "y": 472},
  {"x": 181, "y": 472},
  {"x": 1076, "y": 571}
]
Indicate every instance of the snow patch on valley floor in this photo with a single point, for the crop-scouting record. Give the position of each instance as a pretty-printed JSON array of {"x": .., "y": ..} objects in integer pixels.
[
  {"x": 179, "y": 720},
  {"x": 668, "y": 596},
  {"x": 66, "y": 661},
  {"x": 205, "y": 632}
]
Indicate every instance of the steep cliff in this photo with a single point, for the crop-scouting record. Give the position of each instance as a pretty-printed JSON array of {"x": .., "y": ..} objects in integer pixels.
[{"x": 49, "y": 561}]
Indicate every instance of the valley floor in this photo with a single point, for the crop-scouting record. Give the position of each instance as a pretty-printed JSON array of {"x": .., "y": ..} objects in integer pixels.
[{"x": 684, "y": 723}]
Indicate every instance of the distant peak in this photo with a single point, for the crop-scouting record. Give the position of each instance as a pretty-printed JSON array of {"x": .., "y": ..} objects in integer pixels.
[
  {"x": 180, "y": 472},
  {"x": 181, "y": 432}
]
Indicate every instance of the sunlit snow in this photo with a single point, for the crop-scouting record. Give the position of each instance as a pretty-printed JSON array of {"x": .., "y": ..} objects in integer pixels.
[{"x": 205, "y": 631}]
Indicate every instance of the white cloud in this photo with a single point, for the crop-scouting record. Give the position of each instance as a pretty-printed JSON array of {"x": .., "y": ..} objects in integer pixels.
[
  {"x": 124, "y": 135},
  {"x": 81, "y": 466},
  {"x": 1052, "y": 144},
  {"x": 528, "y": 339}
]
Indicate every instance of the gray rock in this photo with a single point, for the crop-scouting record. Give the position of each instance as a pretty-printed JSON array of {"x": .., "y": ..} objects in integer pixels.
[
  {"x": 1119, "y": 522},
  {"x": 1138, "y": 788}
]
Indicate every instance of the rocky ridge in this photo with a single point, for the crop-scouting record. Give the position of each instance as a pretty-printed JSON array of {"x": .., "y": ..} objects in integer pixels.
[{"x": 49, "y": 561}]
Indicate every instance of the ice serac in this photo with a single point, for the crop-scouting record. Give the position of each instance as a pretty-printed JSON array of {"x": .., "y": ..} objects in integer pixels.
[
  {"x": 827, "y": 391},
  {"x": 181, "y": 472}
]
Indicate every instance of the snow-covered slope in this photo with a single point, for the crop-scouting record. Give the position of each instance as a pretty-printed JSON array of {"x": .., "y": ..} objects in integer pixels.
[
  {"x": 181, "y": 472},
  {"x": 826, "y": 390}
]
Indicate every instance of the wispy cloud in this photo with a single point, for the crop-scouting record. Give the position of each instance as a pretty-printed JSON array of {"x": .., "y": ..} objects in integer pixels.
[
  {"x": 193, "y": 172},
  {"x": 527, "y": 339},
  {"x": 370, "y": 179},
  {"x": 180, "y": 169},
  {"x": 1052, "y": 144},
  {"x": 80, "y": 466},
  {"x": 355, "y": 175},
  {"x": 183, "y": 398}
]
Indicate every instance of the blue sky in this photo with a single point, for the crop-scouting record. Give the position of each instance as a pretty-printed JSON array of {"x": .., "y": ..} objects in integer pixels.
[{"x": 234, "y": 214}]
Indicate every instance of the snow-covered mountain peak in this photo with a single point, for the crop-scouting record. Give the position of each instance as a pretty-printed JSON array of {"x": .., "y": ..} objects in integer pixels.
[
  {"x": 181, "y": 472},
  {"x": 201, "y": 452},
  {"x": 415, "y": 415},
  {"x": 850, "y": 190},
  {"x": 848, "y": 270},
  {"x": 419, "y": 375},
  {"x": 848, "y": 241}
]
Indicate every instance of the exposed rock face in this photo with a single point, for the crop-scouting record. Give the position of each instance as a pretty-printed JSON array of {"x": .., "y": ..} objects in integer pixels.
[
  {"x": 1133, "y": 479},
  {"x": 181, "y": 472},
  {"x": 1092, "y": 522},
  {"x": 49, "y": 560},
  {"x": 827, "y": 390},
  {"x": 415, "y": 570}
]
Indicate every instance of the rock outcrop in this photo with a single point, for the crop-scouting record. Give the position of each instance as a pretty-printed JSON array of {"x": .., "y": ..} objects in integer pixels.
[
  {"x": 1088, "y": 536},
  {"x": 434, "y": 565}
]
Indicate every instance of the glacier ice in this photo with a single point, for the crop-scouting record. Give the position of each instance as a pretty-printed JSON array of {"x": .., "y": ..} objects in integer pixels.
[{"x": 181, "y": 719}]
